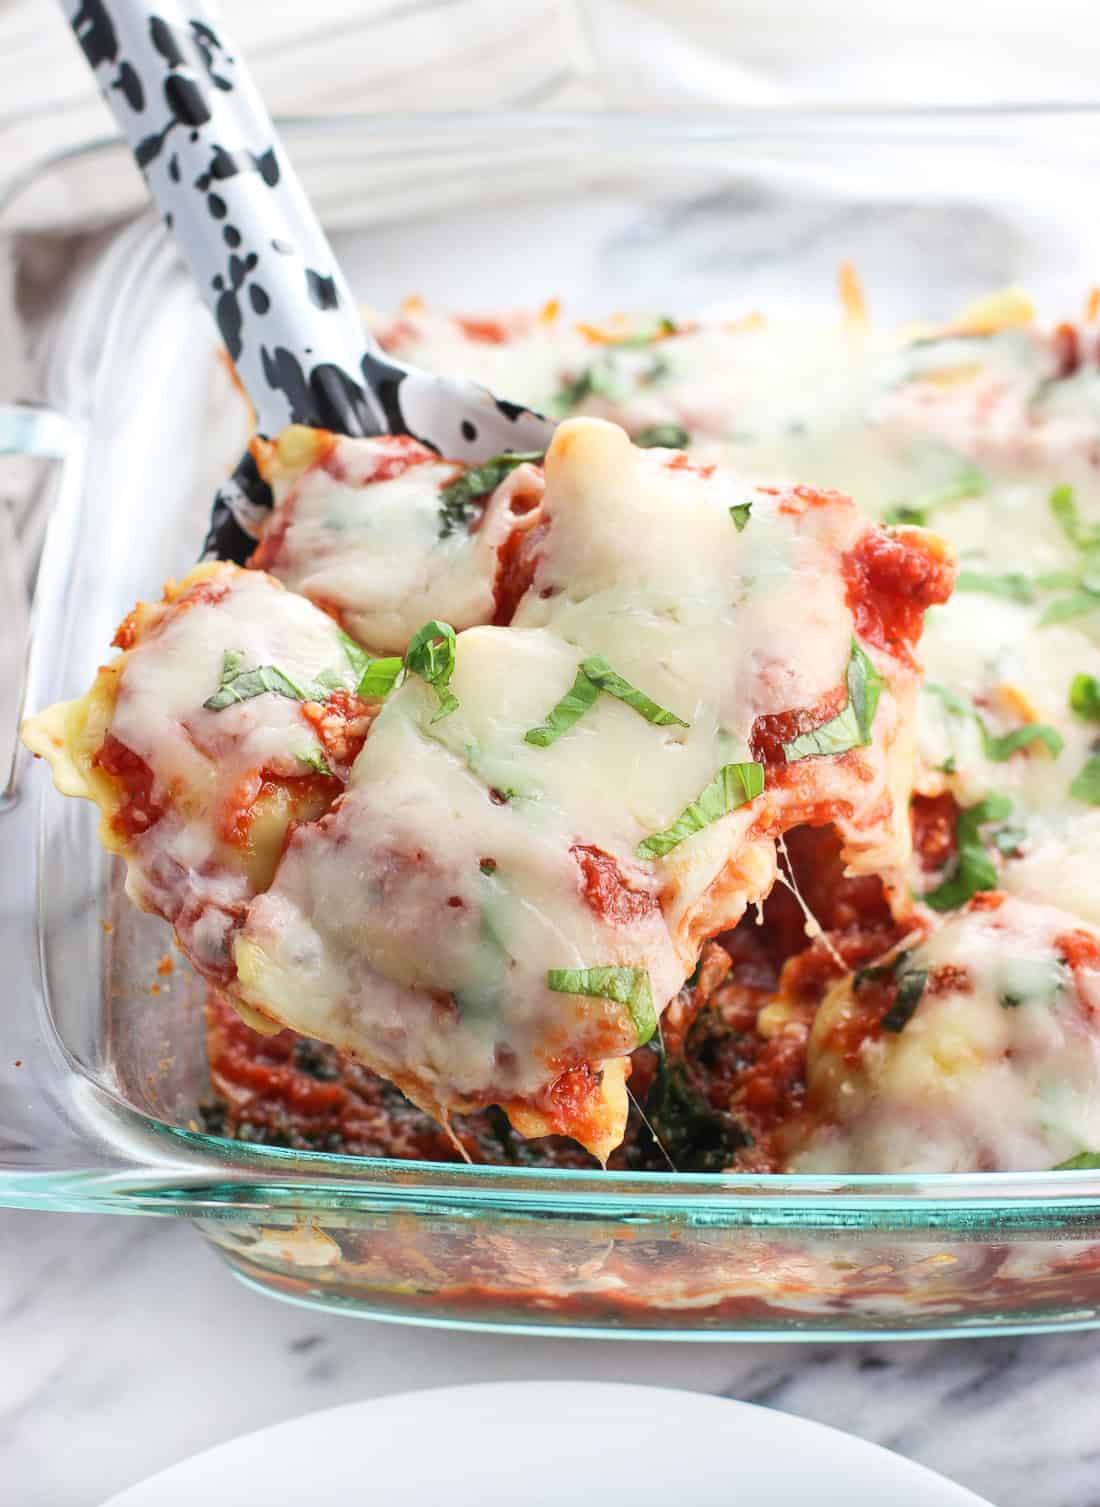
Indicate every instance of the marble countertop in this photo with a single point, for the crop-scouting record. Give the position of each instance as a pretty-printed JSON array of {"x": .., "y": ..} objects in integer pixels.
[{"x": 126, "y": 1346}]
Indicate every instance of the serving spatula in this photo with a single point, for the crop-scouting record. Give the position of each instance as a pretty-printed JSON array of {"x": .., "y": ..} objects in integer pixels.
[{"x": 211, "y": 157}]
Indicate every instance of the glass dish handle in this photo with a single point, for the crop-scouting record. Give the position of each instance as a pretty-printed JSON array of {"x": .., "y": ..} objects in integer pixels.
[{"x": 26, "y": 433}]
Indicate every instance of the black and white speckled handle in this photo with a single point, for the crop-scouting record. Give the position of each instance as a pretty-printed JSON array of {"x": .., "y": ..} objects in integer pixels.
[{"x": 211, "y": 157}]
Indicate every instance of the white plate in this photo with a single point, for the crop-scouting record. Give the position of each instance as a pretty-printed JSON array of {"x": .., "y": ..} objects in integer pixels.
[{"x": 539, "y": 1444}]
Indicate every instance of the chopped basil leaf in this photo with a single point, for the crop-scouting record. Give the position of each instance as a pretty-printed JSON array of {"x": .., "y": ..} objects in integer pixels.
[
  {"x": 871, "y": 975},
  {"x": 431, "y": 656},
  {"x": 974, "y": 870},
  {"x": 488, "y": 865},
  {"x": 242, "y": 685},
  {"x": 357, "y": 658},
  {"x": 593, "y": 676},
  {"x": 624, "y": 986},
  {"x": 910, "y": 988},
  {"x": 611, "y": 377},
  {"x": 1075, "y": 605},
  {"x": 1084, "y": 697},
  {"x": 1084, "y": 1161},
  {"x": 740, "y": 515},
  {"x": 1012, "y": 584},
  {"x": 902, "y": 512},
  {"x": 998, "y": 747},
  {"x": 1063, "y": 504},
  {"x": 734, "y": 785},
  {"x": 1086, "y": 785},
  {"x": 969, "y": 482},
  {"x": 379, "y": 677},
  {"x": 850, "y": 728},
  {"x": 457, "y": 498},
  {"x": 602, "y": 675},
  {"x": 954, "y": 701},
  {"x": 663, "y": 437},
  {"x": 874, "y": 973},
  {"x": 314, "y": 760},
  {"x": 572, "y": 706}
]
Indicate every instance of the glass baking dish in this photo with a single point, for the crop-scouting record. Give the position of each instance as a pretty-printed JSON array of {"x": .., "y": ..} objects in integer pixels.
[{"x": 102, "y": 1062}]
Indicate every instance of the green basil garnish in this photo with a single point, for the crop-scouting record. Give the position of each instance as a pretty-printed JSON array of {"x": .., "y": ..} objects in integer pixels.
[
  {"x": 968, "y": 482},
  {"x": 593, "y": 676},
  {"x": 974, "y": 870},
  {"x": 734, "y": 785},
  {"x": 1063, "y": 504},
  {"x": 1077, "y": 604},
  {"x": 1083, "y": 537},
  {"x": 1084, "y": 697},
  {"x": 1013, "y": 584},
  {"x": 850, "y": 728},
  {"x": 431, "y": 656},
  {"x": 457, "y": 498},
  {"x": 602, "y": 675},
  {"x": 740, "y": 514},
  {"x": 999, "y": 746},
  {"x": 903, "y": 512},
  {"x": 608, "y": 377},
  {"x": 629, "y": 987},
  {"x": 910, "y": 988},
  {"x": 1086, "y": 785},
  {"x": 1084, "y": 1161},
  {"x": 663, "y": 437},
  {"x": 238, "y": 685},
  {"x": 380, "y": 677},
  {"x": 572, "y": 706},
  {"x": 357, "y": 657}
]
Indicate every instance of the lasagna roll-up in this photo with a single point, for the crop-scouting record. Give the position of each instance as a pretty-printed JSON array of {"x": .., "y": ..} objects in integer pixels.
[
  {"x": 975, "y": 1050},
  {"x": 385, "y": 535},
  {"x": 229, "y": 715}
]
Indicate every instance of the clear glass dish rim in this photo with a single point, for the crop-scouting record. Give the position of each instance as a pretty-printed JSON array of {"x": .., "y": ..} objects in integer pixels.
[
  {"x": 788, "y": 122},
  {"x": 206, "y": 1163}
]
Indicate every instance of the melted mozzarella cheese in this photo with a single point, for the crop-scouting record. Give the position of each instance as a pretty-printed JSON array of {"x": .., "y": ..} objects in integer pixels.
[
  {"x": 372, "y": 548},
  {"x": 420, "y": 848},
  {"x": 458, "y": 829},
  {"x": 995, "y": 1071}
]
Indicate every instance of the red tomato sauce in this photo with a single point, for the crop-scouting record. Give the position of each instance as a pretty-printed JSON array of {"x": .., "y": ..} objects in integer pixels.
[
  {"x": 606, "y": 892},
  {"x": 934, "y": 819},
  {"x": 892, "y": 576},
  {"x": 140, "y": 809},
  {"x": 517, "y": 560}
]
